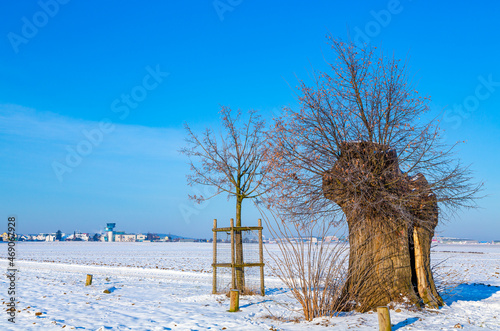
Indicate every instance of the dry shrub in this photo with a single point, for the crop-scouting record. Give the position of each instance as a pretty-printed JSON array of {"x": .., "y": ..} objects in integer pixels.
[{"x": 315, "y": 272}]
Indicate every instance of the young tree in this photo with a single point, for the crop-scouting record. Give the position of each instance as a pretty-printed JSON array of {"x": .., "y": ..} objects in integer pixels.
[
  {"x": 358, "y": 141},
  {"x": 232, "y": 163}
]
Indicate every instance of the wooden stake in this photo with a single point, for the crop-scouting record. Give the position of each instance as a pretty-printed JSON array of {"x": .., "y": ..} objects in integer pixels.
[
  {"x": 261, "y": 259},
  {"x": 109, "y": 290},
  {"x": 384, "y": 319},
  {"x": 89, "y": 280},
  {"x": 214, "y": 271},
  {"x": 234, "y": 305}
]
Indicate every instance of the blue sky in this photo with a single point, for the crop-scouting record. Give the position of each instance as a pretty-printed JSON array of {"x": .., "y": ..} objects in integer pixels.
[{"x": 117, "y": 80}]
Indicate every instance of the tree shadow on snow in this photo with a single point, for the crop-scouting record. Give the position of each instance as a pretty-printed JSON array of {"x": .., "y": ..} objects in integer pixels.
[
  {"x": 469, "y": 292},
  {"x": 280, "y": 290},
  {"x": 255, "y": 303},
  {"x": 406, "y": 322},
  {"x": 463, "y": 292}
]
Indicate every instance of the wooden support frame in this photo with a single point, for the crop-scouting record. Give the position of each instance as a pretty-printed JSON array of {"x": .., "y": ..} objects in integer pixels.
[{"x": 231, "y": 230}]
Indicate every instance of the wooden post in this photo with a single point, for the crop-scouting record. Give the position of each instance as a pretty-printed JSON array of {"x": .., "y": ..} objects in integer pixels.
[
  {"x": 384, "y": 319},
  {"x": 214, "y": 268},
  {"x": 234, "y": 305},
  {"x": 233, "y": 270},
  {"x": 261, "y": 259},
  {"x": 89, "y": 280}
]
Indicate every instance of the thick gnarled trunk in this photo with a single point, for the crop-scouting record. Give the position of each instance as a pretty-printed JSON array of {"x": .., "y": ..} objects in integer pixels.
[
  {"x": 379, "y": 264},
  {"x": 389, "y": 241}
]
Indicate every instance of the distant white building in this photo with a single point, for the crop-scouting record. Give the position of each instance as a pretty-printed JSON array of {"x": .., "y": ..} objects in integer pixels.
[
  {"x": 330, "y": 239},
  {"x": 50, "y": 237},
  {"x": 448, "y": 240},
  {"x": 140, "y": 237},
  {"x": 41, "y": 236},
  {"x": 293, "y": 240},
  {"x": 79, "y": 236},
  {"x": 125, "y": 237},
  {"x": 120, "y": 236}
]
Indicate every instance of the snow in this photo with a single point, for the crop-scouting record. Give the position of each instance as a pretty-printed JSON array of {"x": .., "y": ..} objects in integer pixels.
[
  {"x": 415, "y": 177},
  {"x": 176, "y": 295}
]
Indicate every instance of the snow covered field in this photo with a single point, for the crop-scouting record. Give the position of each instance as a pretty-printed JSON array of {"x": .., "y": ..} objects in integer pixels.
[{"x": 167, "y": 286}]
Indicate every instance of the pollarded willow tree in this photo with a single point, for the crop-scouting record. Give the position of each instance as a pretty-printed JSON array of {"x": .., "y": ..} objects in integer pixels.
[
  {"x": 232, "y": 163},
  {"x": 359, "y": 149}
]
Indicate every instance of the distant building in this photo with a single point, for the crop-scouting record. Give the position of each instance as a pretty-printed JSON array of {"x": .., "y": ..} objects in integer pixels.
[
  {"x": 439, "y": 240},
  {"x": 78, "y": 237},
  {"x": 50, "y": 237},
  {"x": 330, "y": 239},
  {"x": 140, "y": 237},
  {"x": 41, "y": 236},
  {"x": 292, "y": 240},
  {"x": 5, "y": 236},
  {"x": 95, "y": 237},
  {"x": 152, "y": 237},
  {"x": 119, "y": 236},
  {"x": 125, "y": 237},
  {"x": 110, "y": 228},
  {"x": 457, "y": 241},
  {"x": 247, "y": 240}
]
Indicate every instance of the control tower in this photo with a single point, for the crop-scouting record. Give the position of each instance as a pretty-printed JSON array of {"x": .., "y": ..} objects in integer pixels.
[{"x": 110, "y": 229}]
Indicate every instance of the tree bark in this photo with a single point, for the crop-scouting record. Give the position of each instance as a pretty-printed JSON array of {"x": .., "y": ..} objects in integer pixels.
[
  {"x": 379, "y": 263},
  {"x": 389, "y": 257},
  {"x": 426, "y": 210},
  {"x": 425, "y": 281}
]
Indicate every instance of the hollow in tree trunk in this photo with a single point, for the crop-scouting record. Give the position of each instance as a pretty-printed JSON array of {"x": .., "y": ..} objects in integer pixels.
[{"x": 391, "y": 219}]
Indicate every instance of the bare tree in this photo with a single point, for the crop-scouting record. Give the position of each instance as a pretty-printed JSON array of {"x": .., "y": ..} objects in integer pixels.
[
  {"x": 362, "y": 148},
  {"x": 232, "y": 163}
]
